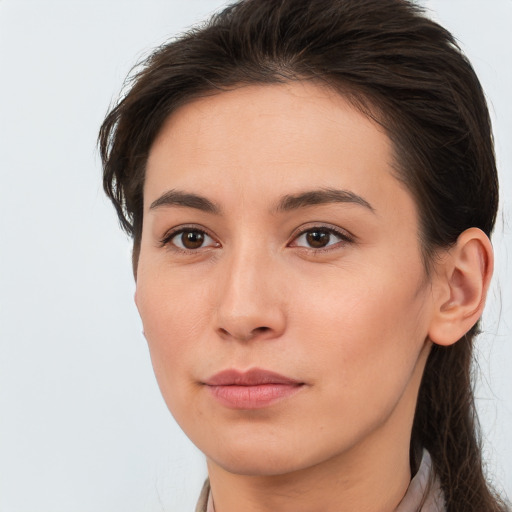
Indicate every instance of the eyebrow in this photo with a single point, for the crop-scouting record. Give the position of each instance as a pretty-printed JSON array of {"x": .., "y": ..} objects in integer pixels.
[
  {"x": 321, "y": 196},
  {"x": 186, "y": 200},
  {"x": 285, "y": 204}
]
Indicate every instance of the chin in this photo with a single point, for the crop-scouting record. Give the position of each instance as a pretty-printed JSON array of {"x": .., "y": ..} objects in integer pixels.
[
  {"x": 264, "y": 458},
  {"x": 259, "y": 464}
]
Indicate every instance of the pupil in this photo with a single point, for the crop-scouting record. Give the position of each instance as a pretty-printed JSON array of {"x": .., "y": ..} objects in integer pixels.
[
  {"x": 318, "y": 239},
  {"x": 192, "y": 239}
]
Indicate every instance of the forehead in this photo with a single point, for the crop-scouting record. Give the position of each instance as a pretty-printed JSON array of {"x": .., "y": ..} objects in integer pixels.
[{"x": 260, "y": 141}]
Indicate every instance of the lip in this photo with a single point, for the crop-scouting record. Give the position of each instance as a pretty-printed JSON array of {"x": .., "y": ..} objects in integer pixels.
[{"x": 253, "y": 389}]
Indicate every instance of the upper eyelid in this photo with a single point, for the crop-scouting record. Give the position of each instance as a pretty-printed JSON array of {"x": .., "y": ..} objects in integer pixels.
[
  {"x": 343, "y": 233},
  {"x": 296, "y": 233},
  {"x": 172, "y": 232},
  {"x": 345, "y": 238}
]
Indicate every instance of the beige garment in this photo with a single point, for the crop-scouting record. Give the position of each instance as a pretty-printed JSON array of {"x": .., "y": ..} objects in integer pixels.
[{"x": 433, "y": 501}]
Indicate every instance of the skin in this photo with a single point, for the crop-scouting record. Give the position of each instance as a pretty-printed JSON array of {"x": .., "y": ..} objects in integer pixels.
[{"x": 350, "y": 321}]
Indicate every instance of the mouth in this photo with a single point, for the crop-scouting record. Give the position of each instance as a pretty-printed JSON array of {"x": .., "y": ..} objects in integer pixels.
[{"x": 253, "y": 389}]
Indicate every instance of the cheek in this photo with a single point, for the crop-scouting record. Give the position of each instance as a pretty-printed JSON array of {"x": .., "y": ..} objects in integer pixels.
[
  {"x": 368, "y": 334},
  {"x": 173, "y": 317},
  {"x": 171, "y": 305}
]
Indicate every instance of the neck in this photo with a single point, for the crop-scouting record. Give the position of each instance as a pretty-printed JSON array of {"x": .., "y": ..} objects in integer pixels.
[{"x": 326, "y": 488}]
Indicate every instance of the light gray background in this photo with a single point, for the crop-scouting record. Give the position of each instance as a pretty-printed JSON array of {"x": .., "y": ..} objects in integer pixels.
[{"x": 82, "y": 424}]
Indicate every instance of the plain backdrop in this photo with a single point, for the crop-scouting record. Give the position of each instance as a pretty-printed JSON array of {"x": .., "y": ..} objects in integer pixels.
[{"x": 82, "y": 425}]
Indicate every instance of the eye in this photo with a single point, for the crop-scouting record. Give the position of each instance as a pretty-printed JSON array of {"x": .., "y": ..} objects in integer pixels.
[
  {"x": 189, "y": 239},
  {"x": 320, "y": 237}
]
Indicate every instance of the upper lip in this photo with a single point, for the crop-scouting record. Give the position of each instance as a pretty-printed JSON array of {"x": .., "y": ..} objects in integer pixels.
[{"x": 252, "y": 377}]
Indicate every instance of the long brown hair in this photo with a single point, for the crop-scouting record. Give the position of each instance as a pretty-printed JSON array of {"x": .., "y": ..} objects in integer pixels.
[{"x": 405, "y": 72}]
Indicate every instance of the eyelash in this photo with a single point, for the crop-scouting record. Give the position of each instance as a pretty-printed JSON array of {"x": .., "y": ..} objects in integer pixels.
[
  {"x": 345, "y": 238},
  {"x": 166, "y": 241}
]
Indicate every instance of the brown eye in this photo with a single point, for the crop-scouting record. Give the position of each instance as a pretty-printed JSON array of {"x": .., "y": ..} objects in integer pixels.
[
  {"x": 318, "y": 238},
  {"x": 190, "y": 240},
  {"x": 321, "y": 238}
]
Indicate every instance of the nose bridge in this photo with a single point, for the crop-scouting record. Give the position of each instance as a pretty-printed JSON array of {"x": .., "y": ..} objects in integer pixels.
[{"x": 249, "y": 303}]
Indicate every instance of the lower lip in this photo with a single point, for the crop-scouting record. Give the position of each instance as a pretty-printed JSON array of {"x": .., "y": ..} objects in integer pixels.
[{"x": 253, "y": 397}]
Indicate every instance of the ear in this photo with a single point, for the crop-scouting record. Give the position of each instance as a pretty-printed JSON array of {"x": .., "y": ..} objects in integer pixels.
[{"x": 460, "y": 286}]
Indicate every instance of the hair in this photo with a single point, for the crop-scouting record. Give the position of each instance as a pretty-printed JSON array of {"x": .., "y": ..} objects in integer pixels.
[{"x": 402, "y": 70}]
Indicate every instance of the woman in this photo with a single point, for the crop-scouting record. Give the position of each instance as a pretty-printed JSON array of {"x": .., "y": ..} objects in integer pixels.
[{"x": 310, "y": 187}]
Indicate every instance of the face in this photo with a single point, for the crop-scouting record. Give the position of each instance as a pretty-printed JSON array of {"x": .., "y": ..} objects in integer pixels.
[{"x": 280, "y": 280}]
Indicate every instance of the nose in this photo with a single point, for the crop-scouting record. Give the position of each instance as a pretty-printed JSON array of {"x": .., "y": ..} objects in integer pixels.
[{"x": 251, "y": 298}]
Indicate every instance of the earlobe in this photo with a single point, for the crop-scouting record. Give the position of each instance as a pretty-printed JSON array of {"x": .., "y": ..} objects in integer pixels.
[{"x": 462, "y": 281}]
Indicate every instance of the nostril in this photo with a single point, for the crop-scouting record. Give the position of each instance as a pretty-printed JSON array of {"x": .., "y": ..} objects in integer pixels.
[
  {"x": 248, "y": 335},
  {"x": 259, "y": 330}
]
